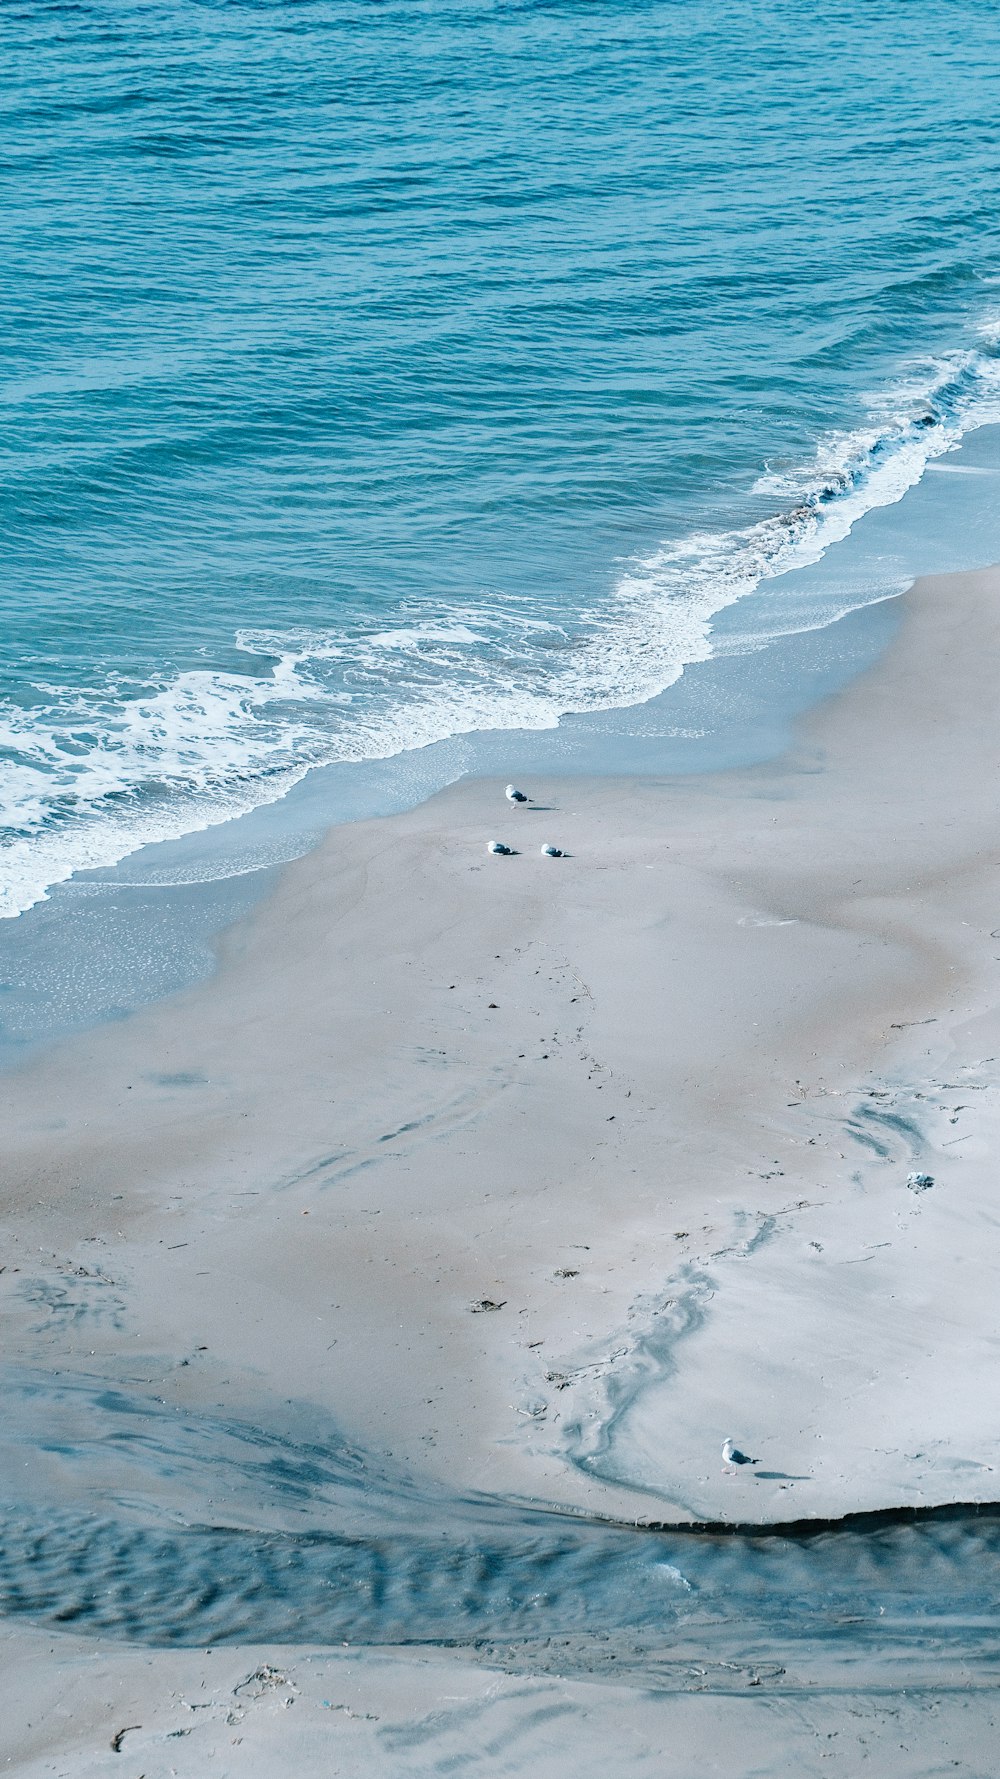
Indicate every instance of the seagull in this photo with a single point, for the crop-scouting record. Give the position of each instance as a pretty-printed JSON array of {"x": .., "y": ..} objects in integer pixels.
[
  {"x": 551, "y": 852},
  {"x": 731, "y": 1455},
  {"x": 513, "y": 795},
  {"x": 497, "y": 846}
]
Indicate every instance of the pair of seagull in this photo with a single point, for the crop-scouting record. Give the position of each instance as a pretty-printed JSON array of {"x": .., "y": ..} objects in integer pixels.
[{"x": 513, "y": 795}]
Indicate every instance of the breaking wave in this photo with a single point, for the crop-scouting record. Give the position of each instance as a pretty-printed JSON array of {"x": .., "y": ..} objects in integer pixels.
[{"x": 88, "y": 775}]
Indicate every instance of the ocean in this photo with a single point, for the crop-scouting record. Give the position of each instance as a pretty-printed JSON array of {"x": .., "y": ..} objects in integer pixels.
[{"x": 378, "y": 374}]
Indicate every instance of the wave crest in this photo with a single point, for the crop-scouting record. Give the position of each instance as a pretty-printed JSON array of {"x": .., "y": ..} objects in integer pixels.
[{"x": 86, "y": 777}]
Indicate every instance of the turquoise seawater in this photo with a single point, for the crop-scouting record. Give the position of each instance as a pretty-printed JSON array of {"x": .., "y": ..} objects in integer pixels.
[{"x": 379, "y": 372}]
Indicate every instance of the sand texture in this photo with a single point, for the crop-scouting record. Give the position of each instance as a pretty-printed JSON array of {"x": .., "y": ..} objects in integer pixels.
[
  {"x": 276, "y": 1713},
  {"x": 534, "y": 1178}
]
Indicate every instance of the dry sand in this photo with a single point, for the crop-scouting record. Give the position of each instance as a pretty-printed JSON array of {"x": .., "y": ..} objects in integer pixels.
[
  {"x": 656, "y": 1101},
  {"x": 273, "y": 1713}
]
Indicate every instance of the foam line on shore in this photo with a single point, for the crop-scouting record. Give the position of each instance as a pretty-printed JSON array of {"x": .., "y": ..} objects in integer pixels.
[{"x": 183, "y": 754}]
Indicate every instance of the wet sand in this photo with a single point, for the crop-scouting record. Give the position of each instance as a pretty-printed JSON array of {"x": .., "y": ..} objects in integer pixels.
[{"x": 538, "y": 1177}]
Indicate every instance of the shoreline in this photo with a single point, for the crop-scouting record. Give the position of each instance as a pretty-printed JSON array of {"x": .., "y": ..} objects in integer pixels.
[
  {"x": 864, "y": 547},
  {"x": 105, "y": 945},
  {"x": 326, "y": 1071}
]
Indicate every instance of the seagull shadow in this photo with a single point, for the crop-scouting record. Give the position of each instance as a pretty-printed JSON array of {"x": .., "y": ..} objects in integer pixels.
[{"x": 778, "y": 1476}]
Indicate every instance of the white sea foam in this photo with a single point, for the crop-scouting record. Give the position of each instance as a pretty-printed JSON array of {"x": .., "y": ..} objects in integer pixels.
[{"x": 86, "y": 777}]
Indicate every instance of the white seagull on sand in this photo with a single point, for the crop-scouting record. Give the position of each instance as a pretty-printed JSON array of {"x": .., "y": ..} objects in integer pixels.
[
  {"x": 497, "y": 846},
  {"x": 513, "y": 795},
  {"x": 732, "y": 1455},
  {"x": 551, "y": 852}
]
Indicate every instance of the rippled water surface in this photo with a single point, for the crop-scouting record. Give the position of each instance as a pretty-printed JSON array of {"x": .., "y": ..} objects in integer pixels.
[
  {"x": 377, "y": 372},
  {"x": 165, "y": 1526}
]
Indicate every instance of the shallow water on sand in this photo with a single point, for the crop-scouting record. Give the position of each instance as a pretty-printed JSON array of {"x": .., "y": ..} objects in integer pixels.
[{"x": 169, "y": 1527}]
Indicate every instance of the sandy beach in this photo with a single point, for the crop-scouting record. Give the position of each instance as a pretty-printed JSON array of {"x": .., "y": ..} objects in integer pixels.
[{"x": 535, "y": 1178}]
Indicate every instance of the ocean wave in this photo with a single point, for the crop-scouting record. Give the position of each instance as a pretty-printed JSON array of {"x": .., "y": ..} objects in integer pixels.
[{"x": 88, "y": 776}]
